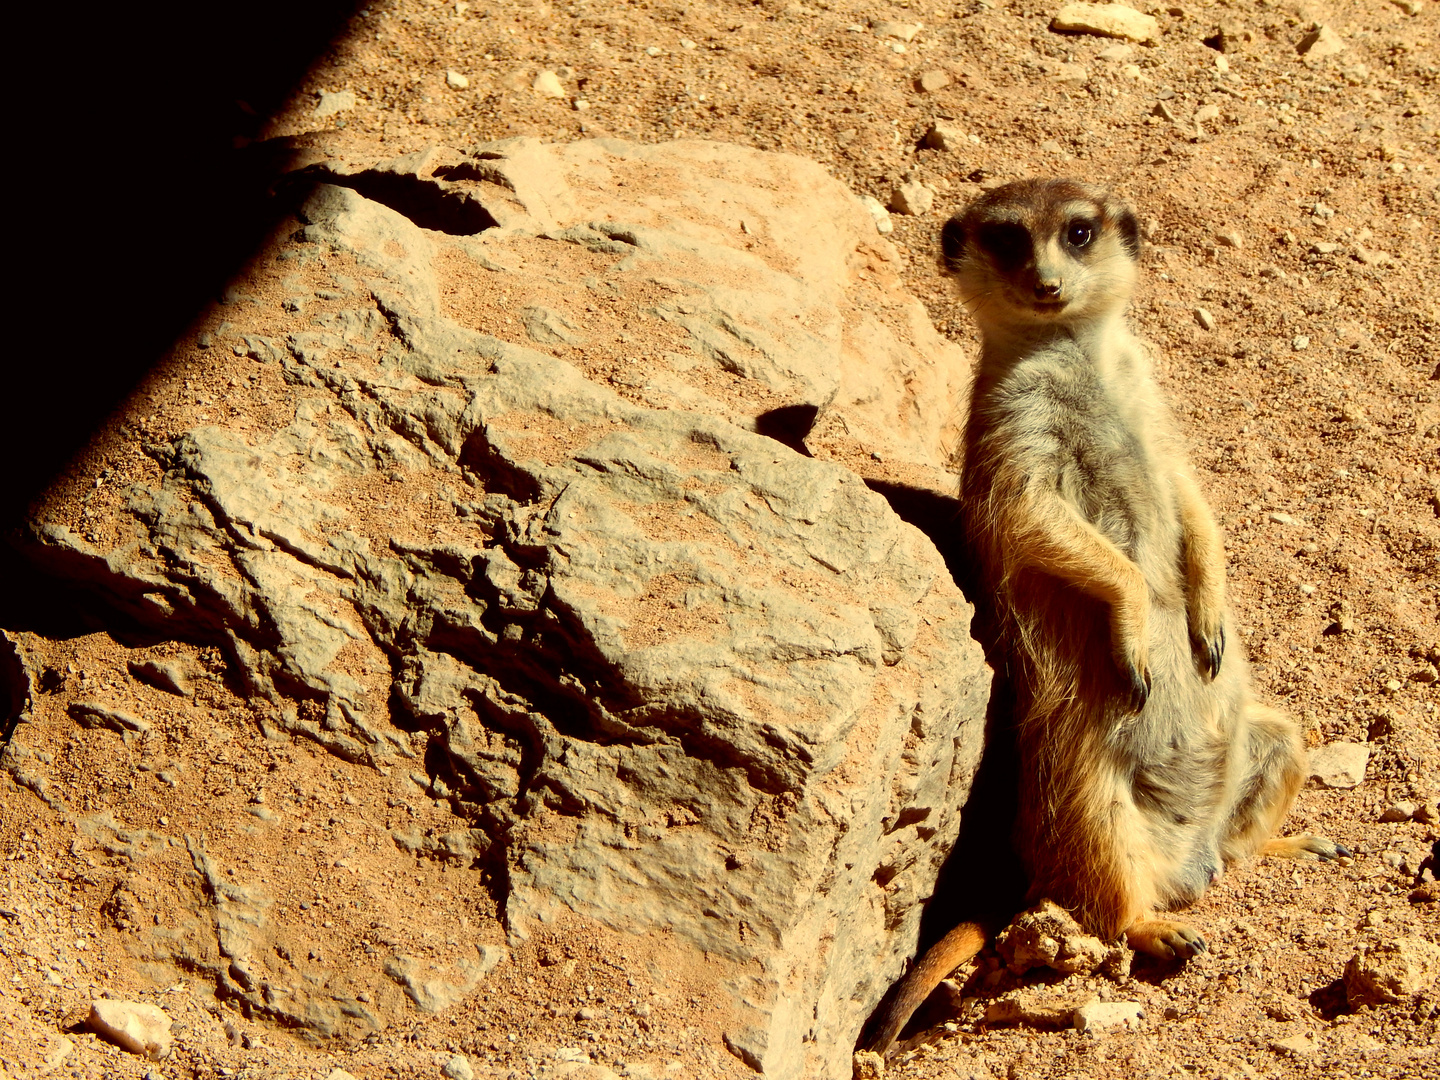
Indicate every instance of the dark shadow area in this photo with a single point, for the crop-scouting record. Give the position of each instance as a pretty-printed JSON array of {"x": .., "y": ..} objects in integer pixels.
[
  {"x": 938, "y": 517},
  {"x": 144, "y": 198},
  {"x": 423, "y": 201},
  {"x": 1330, "y": 1000},
  {"x": 982, "y": 880},
  {"x": 788, "y": 425},
  {"x": 15, "y": 688}
]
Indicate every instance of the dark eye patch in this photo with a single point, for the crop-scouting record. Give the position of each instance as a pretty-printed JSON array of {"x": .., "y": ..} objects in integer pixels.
[
  {"x": 1007, "y": 243},
  {"x": 1080, "y": 232}
]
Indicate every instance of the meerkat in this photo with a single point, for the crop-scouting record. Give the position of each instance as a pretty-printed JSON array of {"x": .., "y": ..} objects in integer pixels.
[{"x": 1146, "y": 764}]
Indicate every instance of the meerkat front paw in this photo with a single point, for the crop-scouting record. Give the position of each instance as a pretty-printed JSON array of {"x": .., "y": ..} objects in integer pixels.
[
  {"x": 1206, "y": 616},
  {"x": 1209, "y": 646},
  {"x": 1130, "y": 632}
]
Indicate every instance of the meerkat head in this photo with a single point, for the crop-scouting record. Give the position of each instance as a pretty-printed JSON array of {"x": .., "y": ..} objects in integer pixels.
[{"x": 1043, "y": 252}]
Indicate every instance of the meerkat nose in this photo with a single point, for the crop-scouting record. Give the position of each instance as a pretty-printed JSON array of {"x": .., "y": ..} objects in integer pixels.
[{"x": 1047, "y": 290}]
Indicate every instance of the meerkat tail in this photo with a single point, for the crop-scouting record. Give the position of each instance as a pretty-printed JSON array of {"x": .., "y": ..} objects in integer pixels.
[{"x": 957, "y": 947}]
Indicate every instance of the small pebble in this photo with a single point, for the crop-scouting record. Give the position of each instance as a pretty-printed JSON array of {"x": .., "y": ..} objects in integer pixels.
[
  {"x": 455, "y": 81},
  {"x": 134, "y": 1026},
  {"x": 1298, "y": 1045},
  {"x": 1320, "y": 43},
  {"x": 912, "y": 197},
  {"x": 1339, "y": 764},
  {"x": 930, "y": 81},
  {"x": 1204, "y": 318},
  {"x": 883, "y": 224},
  {"x": 1280, "y": 518},
  {"x": 945, "y": 137},
  {"x": 1099, "y": 1015},
  {"x": 1300, "y": 342},
  {"x": 1400, "y": 811},
  {"x": 898, "y": 30},
  {"x": 1231, "y": 239},
  {"x": 1106, "y": 20},
  {"x": 1204, "y": 115},
  {"x": 458, "y": 1068},
  {"x": 548, "y": 84},
  {"x": 332, "y": 103}
]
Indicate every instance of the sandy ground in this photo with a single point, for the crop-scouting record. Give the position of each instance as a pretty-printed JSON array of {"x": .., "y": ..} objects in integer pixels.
[{"x": 1290, "y": 208}]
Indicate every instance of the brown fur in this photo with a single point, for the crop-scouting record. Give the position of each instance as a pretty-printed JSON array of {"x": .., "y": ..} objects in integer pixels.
[{"x": 1146, "y": 765}]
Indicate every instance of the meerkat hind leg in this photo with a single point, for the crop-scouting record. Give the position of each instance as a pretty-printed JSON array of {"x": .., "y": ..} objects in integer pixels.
[
  {"x": 1304, "y": 846},
  {"x": 1275, "y": 769},
  {"x": 1165, "y": 939}
]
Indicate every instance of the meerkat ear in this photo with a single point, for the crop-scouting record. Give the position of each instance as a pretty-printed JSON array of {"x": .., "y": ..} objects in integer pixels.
[
  {"x": 952, "y": 243},
  {"x": 1129, "y": 229}
]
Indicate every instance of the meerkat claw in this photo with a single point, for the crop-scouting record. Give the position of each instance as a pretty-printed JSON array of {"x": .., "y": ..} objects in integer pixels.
[
  {"x": 1210, "y": 651},
  {"x": 1139, "y": 688}
]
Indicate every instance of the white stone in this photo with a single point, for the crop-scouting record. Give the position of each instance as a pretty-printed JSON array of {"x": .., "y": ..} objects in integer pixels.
[
  {"x": 1299, "y": 1045},
  {"x": 899, "y": 30},
  {"x": 1204, "y": 115},
  {"x": 1099, "y": 1015},
  {"x": 132, "y": 1025},
  {"x": 930, "y": 81},
  {"x": 945, "y": 137},
  {"x": 912, "y": 197},
  {"x": 1339, "y": 764},
  {"x": 458, "y": 1068},
  {"x": 58, "y": 1052},
  {"x": 339, "y": 1074},
  {"x": 455, "y": 80},
  {"x": 883, "y": 224},
  {"x": 334, "y": 102},
  {"x": 1403, "y": 810},
  {"x": 1204, "y": 318},
  {"x": 1391, "y": 972},
  {"x": 1115, "y": 53},
  {"x": 548, "y": 84},
  {"x": 1107, "y": 20},
  {"x": 1320, "y": 43}
]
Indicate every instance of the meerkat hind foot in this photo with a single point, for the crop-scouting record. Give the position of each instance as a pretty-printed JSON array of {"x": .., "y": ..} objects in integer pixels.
[
  {"x": 1166, "y": 939},
  {"x": 1305, "y": 846}
]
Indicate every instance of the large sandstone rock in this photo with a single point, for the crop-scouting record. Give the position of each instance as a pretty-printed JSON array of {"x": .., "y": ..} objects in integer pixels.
[{"x": 672, "y": 674}]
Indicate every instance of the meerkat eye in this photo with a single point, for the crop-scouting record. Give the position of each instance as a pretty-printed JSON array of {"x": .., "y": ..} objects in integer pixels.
[
  {"x": 1079, "y": 234},
  {"x": 1007, "y": 243}
]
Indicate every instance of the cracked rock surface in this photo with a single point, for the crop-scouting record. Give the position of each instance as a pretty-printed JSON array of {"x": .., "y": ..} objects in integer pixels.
[{"x": 490, "y": 517}]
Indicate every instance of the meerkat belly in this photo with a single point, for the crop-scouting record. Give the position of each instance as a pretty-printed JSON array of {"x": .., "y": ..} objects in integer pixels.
[{"x": 1171, "y": 759}]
